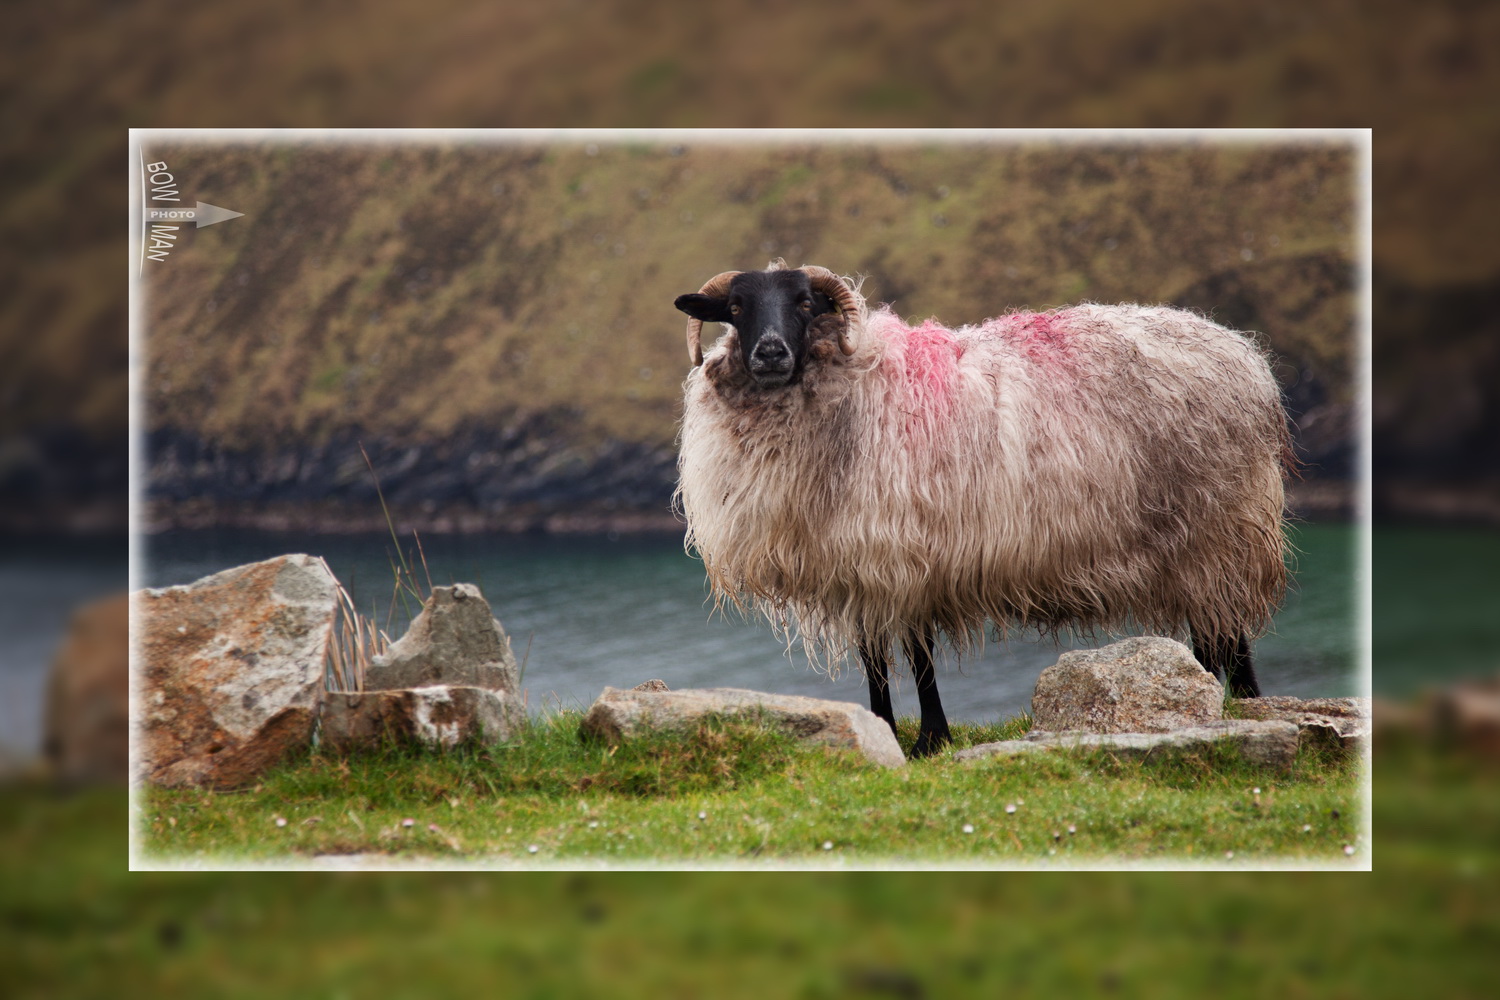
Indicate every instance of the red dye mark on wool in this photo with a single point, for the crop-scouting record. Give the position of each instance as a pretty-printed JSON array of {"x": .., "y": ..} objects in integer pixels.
[
  {"x": 922, "y": 361},
  {"x": 1045, "y": 338}
]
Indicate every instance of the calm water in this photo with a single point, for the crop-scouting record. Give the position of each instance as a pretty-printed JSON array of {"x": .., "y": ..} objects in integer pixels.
[
  {"x": 42, "y": 580},
  {"x": 597, "y": 612},
  {"x": 1437, "y": 605}
]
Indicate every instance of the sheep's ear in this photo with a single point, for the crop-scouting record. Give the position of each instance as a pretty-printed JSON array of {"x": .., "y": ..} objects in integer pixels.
[{"x": 708, "y": 308}]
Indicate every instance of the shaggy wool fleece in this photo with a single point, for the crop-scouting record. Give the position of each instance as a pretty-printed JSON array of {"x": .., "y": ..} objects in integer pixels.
[{"x": 1074, "y": 468}]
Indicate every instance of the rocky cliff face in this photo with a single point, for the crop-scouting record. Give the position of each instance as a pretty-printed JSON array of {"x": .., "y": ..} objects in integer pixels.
[{"x": 532, "y": 474}]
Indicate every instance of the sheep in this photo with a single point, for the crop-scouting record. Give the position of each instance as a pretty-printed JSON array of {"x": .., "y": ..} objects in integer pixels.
[{"x": 869, "y": 482}]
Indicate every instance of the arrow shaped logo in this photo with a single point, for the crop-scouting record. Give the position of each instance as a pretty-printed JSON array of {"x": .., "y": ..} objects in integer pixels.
[
  {"x": 204, "y": 215},
  {"x": 161, "y": 224}
]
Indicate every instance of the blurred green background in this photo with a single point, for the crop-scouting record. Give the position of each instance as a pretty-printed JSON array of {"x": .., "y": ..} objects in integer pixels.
[{"x": 77, "y": 73}]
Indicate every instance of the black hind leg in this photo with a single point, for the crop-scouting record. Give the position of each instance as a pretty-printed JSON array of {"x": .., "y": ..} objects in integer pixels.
[
  {"x": 933, "y": 735},
  {"x": 1228, "y": 657},
  {"x": 874, "y": 654}
]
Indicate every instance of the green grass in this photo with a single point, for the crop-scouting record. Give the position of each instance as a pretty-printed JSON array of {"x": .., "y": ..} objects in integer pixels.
[
  {"x": 736, "y": 794},
  {"x": 77, "y": 923}
]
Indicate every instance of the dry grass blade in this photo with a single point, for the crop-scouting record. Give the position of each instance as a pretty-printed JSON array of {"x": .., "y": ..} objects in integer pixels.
[{"x": 356, "y": 641}]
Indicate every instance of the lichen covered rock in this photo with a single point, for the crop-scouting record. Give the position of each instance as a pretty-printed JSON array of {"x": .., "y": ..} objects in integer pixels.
[
  {"x": 455, "y": 641},
  {"x": 1146, "y": 684},
  {"x": 231, "y": 670},
  {"x": 620, "y": 715}
]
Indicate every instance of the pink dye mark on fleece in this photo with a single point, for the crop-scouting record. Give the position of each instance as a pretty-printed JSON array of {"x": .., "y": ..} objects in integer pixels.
[
  {"x": 1045, "y": 338},
  {"x": 923, "y": 361}
]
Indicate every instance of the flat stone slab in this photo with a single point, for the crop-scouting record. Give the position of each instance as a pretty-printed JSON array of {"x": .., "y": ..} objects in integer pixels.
[
  {"x": 439, "y": 715},
  {"x": 1270, "y": 743},
  {"x": 619, "y": 715},
  {"x": 1146, "y": 684},
  {"x": 1339, "y": 724},
  {"x": 454, "y": 640},
  {"x": 231, "y": 670}
]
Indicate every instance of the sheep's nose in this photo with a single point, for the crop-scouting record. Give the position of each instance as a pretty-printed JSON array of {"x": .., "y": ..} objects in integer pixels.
[{"x": 772, "y": 350}]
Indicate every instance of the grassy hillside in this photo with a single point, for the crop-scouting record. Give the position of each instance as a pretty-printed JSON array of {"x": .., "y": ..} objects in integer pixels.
[
  {"x": 412, "y": 290},
  {"x": 81, "y": 71}
]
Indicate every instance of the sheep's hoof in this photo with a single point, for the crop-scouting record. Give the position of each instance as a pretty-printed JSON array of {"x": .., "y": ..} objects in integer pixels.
[{"x": 930, "y": 743}]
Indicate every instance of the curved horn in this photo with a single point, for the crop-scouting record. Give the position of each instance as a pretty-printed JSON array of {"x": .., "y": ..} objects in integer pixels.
[
  {"x": 717, "y": 285},
  {"x": 831, "y": 285}
]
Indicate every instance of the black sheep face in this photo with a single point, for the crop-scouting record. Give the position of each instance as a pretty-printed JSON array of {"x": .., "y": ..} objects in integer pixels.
[{"x": 771, "y": 311}]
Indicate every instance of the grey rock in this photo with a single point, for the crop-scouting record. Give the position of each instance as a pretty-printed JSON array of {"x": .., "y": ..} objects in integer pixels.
[
  {"x": 1146, "y": 684},
  {"x": 619, "y": 715},
  {"x": 438, "y": 716},
  {"x": 655, "y": 684},
  {"x": 455, "y": 641},
  {"x": 1342, "y": 725},
  {"x": 231, "y": 670},
  {"x": 1268, "y": 743}
]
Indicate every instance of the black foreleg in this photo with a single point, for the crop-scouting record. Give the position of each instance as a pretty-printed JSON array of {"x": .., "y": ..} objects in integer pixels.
[
  {"x": 1228, "y": 657},
  {"x": 933, "y": 734},
  {"x": 875, "y": 655}
]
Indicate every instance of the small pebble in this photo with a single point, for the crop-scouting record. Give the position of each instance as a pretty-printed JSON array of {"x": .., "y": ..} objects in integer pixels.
[
  {"x": 703, "y": 815},
  {"x": 281, "y": 821},
  {"x": 827, "y": 845},
  {"x": 1011, "y": 807},
  {"x": 968, "y": 828},
  {"x": 1307, "y": 828},
  {"x": 531, "y": 849}
]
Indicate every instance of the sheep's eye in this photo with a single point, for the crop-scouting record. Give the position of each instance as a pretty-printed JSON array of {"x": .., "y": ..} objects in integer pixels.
[
  {"x": 806, "y": 305},
  {"x": 734, "y": 310}
]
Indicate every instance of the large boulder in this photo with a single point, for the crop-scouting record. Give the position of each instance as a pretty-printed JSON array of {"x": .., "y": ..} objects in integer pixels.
[
  {"x": 86, "y": 731},
  {"x": 450, "y": 679},
  {"x": 231, "y": 670},
  {"x": 1146, "y": 684},
  {"x": 439, "y": 716},
  {"x": 620, "y": 715},
  {"x": 454, "y": 640}
]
